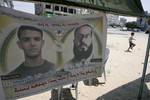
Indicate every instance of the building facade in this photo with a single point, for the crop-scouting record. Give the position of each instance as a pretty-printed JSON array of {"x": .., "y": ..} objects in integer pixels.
[
  {"x": 6, "y": 3},
  {"x": 49, "y": 10}
]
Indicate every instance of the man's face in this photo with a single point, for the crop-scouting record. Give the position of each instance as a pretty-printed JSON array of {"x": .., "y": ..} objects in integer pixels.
[
  {"x": 83, "y": 38},
  {"x": 31, "y": 43}
]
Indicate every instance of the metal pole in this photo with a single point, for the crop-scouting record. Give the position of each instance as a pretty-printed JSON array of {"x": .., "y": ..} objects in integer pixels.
[
  {"x": 2, "y": 95},
  {"x": 59, "y": 93},
  {"x": 76, "y": 90},
  {"x": 144, "y": 70}
]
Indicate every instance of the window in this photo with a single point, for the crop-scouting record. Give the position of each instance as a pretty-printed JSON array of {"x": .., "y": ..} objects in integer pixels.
[
  {"x": 56, "y": 8},
  {"x": 62, "y": 8},
  {"x": 48, "y": 6},
  {"x": 65, "y": 9},
  {"x": 71, "y": 10},
  {"x": 74, "y": 10}
]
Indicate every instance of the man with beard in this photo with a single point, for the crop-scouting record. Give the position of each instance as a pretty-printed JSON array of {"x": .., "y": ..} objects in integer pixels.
[
  {"x": 82, "y": 47},
  {"x": 82, "y": 43},
  {"x": 31, "y": 42},
  {"x": 83, "y": 50}
]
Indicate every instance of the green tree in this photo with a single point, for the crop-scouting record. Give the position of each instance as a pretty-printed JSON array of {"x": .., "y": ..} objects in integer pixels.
[{"x": 132, "y": 25}]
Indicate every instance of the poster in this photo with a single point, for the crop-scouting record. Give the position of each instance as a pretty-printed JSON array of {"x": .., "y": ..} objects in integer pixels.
[{"x": 39, "y": 54}]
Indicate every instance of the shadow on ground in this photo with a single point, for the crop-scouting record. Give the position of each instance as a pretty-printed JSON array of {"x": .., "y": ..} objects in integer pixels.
[{"x": 128, "y": 91}]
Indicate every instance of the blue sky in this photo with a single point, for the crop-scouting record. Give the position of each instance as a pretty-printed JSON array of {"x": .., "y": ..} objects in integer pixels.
[
  {"x": 146, "y": 5},
  {"x": 25, "y": 6}
]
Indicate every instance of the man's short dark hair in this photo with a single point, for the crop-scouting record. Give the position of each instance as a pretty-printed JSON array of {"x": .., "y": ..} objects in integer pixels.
[
  {"x": 132, "y": 33},
  {"x": 78, "y": 28},
  {"x": 25, "y": 27}
]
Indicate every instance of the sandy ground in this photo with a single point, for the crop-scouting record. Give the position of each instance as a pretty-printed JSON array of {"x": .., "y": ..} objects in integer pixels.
[{"x": 123, "y": 71}]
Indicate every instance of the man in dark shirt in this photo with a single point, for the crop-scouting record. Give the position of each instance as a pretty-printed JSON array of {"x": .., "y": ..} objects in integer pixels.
[{"x": 31, "y": 42}]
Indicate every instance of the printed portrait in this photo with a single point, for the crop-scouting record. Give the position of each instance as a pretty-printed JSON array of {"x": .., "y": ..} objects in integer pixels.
[{"x": 28, "y": 51}]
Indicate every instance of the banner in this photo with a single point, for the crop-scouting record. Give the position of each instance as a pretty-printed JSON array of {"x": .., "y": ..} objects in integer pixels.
[
  {"x": 125, "y": 7},
  {"x": 39, "y": 54}
]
